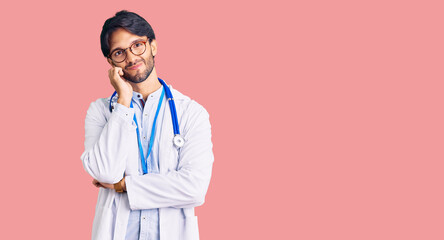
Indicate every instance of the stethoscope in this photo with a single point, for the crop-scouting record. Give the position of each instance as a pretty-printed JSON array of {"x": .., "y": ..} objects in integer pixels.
[{"x": 178, "y": 140}]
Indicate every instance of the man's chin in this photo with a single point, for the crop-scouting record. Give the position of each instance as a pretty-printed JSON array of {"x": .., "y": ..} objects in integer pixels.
[
  {"x": 139, "y": 76},
  {"x": 135, "y": 79}
]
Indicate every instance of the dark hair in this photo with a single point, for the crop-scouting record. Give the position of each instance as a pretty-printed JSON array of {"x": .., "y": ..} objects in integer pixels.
[{"x": 131, "y": 22}]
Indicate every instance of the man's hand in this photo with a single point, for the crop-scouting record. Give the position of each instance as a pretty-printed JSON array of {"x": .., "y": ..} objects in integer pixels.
[
  {"x": 121, "y": 85},
  {"x": 107, "y": 185},
  {"x": 104, "y": 185}
]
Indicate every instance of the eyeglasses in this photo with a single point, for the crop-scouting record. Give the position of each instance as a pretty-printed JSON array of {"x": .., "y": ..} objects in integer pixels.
[{"x": 119, "y": 55}]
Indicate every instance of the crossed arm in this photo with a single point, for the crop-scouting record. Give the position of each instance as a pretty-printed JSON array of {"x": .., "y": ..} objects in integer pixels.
[
  {"x": 110, "y": 186},
  {"x": 106, "y": 152}
]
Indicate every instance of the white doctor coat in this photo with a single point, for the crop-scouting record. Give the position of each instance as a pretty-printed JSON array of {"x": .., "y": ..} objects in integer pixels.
[{"x": 111, "y": 149}]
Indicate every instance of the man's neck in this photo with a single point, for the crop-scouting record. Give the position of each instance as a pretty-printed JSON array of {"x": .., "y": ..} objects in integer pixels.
[{"x": 150, "y": 85}]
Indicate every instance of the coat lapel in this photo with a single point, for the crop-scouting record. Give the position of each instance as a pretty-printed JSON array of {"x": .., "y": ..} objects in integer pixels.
[{"x": 165, "y": 135}]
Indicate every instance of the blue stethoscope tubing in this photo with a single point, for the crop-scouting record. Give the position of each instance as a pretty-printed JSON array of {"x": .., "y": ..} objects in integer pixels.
[
  {"x": 172, "y": 107},
  {"x": 178, "y": 141}
]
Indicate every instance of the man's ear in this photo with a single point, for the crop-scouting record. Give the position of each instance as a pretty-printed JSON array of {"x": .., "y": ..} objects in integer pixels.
[
  {"x": 153, "y": 46},
  {"x": 110, "y": 62}
]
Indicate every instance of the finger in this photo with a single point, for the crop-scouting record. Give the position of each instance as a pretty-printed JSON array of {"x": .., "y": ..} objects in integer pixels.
[
  {"x": 118, "y": 72},
  {"x": 96, "y": 183}
]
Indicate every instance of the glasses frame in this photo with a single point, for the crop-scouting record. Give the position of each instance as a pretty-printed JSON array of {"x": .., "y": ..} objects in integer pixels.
[{"x": 130, "y": 48}]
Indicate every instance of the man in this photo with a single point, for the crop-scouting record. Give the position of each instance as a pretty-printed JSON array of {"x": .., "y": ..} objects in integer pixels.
[{"x": 148, "y": 185}]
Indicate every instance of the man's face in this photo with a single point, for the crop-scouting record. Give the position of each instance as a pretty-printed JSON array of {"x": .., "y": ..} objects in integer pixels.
[{"x": 135, "y": 68}]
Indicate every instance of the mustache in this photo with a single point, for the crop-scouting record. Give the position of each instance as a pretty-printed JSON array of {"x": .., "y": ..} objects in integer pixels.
[{"x": 135, "y": 63}]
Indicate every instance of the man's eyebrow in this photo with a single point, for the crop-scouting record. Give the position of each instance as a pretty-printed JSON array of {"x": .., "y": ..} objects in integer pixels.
[{"x": 137, "y": 40}]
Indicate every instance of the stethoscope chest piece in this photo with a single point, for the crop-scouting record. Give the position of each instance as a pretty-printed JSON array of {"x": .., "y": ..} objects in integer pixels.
[{"x": 178, "y": 141}]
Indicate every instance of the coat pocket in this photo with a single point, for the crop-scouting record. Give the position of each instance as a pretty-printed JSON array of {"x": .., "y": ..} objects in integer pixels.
[
  {"x": 104, "y": 216},
  {"x": 190, "y": 230},
  {"x": 102, "y": 224}
]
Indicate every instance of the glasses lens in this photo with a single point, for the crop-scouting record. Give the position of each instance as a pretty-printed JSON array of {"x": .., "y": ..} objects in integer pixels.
[
  {"x": 138, "y": 48},
  {"x": 118, "y": 55}
]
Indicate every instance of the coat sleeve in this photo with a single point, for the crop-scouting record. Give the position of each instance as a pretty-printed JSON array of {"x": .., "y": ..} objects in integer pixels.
[
  {"x": 106, "y": 142},
  {"x": 186, "y": 186}
]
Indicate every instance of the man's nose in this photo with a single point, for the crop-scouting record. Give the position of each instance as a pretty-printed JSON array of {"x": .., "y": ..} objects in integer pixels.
[{"x": 130, "y": 57}]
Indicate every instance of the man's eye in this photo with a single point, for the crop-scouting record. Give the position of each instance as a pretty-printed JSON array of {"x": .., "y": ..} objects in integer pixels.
[
  {"x": 117, "y": 53},
  {"x": 137, "y": 44}
]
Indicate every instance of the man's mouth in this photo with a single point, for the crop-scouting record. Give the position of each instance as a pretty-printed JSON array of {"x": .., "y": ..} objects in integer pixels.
[{"x": 134, "y": 67}]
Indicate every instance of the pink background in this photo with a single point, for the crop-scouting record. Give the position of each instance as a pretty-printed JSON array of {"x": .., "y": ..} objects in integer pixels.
[{"x": 327, "y": 115}]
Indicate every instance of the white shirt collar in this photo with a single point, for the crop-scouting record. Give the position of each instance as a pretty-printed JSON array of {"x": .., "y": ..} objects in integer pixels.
[{"x": 154, "y": 95}]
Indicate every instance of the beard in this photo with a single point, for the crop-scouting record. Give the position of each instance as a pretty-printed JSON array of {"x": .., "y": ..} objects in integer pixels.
[{"x": 140, "y": 77}]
